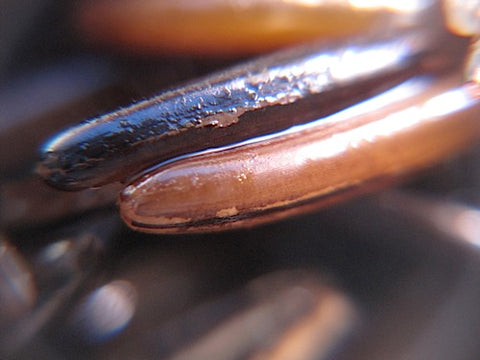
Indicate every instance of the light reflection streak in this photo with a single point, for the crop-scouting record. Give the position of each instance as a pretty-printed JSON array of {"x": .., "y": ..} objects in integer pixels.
[
  {"x": 446, "y": 103},
  {"x": 354, "y": 63},
  {"x": 292, "y": 319},
  {"x": 18, "y": 292},
  {"x": 432, "y": 110},
  {"x": 454, "y": 219},
  {"x": 460, "y": 221},
  {"x": 467, "y": 224},
  {"x": 55, "y": 251},
  {"x": 86, "y": 153},
  {"x": 401, "y": 92},
  {"x": 313, "y": 74},
  {"x": 406, "y": 130},
  {"x": 399, "y": 6},
  {"x": 107, "y": 311},
  {"x": 472, "y": 66}
]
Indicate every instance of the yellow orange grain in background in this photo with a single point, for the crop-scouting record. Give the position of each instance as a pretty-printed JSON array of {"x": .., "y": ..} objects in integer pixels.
[{"x": 217, "y": 27}]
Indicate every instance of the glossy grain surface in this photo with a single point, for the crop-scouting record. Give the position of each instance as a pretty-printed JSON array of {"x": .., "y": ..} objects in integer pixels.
[
  {"x": 256, "y": 98},
  {"x": 402, "y": 130}
]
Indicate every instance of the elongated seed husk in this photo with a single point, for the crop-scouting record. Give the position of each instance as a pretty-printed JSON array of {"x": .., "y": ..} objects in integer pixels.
[
  {"x": 404, "y": 129},
  {"x": 261, "y": 97}
]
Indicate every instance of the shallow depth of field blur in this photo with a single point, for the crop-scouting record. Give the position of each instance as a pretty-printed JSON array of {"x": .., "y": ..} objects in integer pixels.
[{"x": 390, "y": 275}]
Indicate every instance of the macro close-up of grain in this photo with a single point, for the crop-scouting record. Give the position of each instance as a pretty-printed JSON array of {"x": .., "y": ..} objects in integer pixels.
[{"x": 239, "y": 179}]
